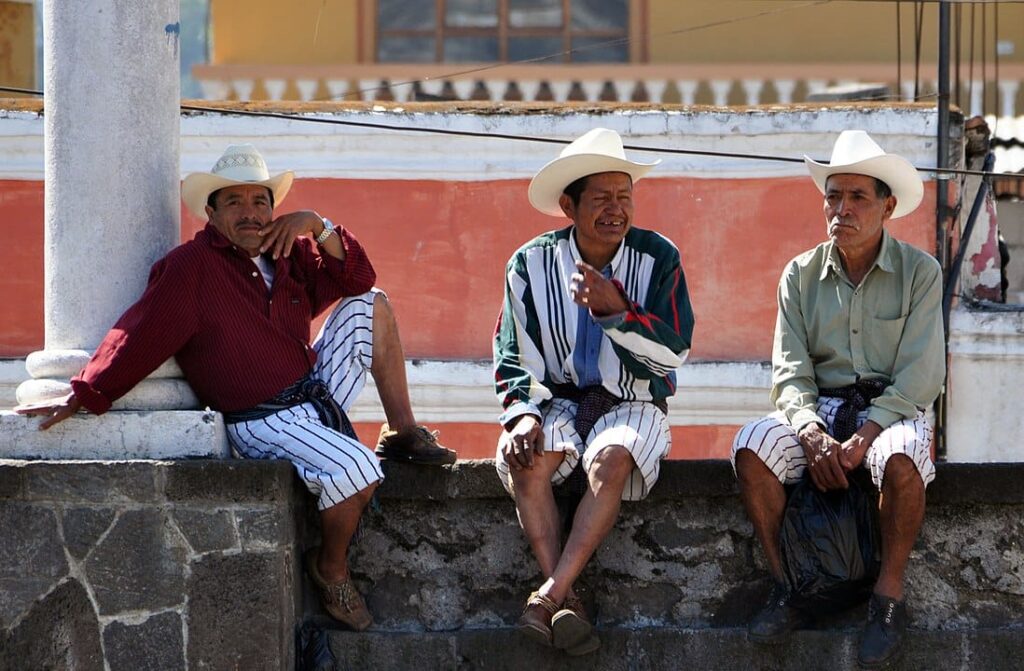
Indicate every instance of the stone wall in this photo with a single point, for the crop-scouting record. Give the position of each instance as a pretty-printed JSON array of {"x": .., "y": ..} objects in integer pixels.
[
  {"x": 193, "y": 564},
  {"x": 147, "y": 565}
]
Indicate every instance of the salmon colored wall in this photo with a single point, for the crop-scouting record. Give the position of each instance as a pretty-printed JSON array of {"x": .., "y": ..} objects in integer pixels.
[
  {"x": 440, "y": 248},
  {"x": 479, "y": 441},
  {"x": 21, "y": 267}
]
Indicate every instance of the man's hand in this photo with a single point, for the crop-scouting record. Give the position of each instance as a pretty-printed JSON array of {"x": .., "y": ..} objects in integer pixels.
[
  {"x": 822, "y": 452},
  {"x": 55, "y": 410},
  {"x": 853, "y": 451},
  {"x": 593, "y": 290},
  {"x": 279, "y": 235},
  {"x": 519, "y": 443}
]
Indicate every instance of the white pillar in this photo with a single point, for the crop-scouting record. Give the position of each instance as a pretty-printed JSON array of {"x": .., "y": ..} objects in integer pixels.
[{"x": 112, "y": 205}]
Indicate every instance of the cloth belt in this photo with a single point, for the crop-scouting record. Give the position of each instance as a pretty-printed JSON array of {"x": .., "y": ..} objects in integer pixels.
[
  {"x": 307, "y": 390},
  {"x": 856, "y": 397},
  {"x": 591, "y": 404}
]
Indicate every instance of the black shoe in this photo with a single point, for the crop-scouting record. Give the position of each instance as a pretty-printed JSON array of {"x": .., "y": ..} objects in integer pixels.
[
  {"x": 880, "y": 642},
  {"x": 777, "y": 618}
]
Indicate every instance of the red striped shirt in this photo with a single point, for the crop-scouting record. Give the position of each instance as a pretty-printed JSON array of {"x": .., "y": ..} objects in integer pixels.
[{"x": 207, "y": 305}]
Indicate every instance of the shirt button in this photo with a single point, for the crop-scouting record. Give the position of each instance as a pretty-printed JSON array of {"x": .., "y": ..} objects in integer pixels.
[
  {"x": 254, "y": 273},
  {"x": 855, "y": 331}
]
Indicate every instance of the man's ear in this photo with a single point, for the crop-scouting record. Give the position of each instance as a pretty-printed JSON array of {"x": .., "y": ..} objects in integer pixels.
[
  {"x": 209, "y": 212},
  {"x": 568, "y": 207},
  {"x": 890, "y": 207}
]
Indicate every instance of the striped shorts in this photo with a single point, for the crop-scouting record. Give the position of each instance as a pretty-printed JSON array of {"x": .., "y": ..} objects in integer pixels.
[
  {"x": 775, "y": 443},
  {"x": 332, "y": 465},
  {"x": 641, "y": 428}
]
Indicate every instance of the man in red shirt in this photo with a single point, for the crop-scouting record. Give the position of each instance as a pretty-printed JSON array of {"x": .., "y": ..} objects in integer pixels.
[{"x": 234, "y": 307}]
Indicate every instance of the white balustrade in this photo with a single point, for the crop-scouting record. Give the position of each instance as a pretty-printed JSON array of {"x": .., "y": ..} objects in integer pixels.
[
  {"x": 275, "y": 88},
  {"x": 720, "y": 90},
  {"x": 243, "y": 88},
  {"x": 752, "y": 87},
  {"x": 560, "y": 89},
  {"x": 307, "y": 88},
  {"x": 687, "y": 90},
  {"x": 463, "y": 88},
  {"x": 656, "y": 89},
  {"x": 784, "y": 90},
  {"x": 337, "y": 88},
  {"x": 592, "y": 88}
]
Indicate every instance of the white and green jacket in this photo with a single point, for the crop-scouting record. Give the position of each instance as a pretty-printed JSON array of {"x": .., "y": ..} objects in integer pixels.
[{"x": 536, "y": 333}]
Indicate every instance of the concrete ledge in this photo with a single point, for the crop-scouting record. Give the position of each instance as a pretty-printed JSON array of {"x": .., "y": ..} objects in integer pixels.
[
  {"x": 669, "y": 648},
  {"x": 116, "y": 436}
]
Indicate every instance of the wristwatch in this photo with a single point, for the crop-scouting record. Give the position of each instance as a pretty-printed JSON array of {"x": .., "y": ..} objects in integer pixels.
[{"x": 326, "y": 233}]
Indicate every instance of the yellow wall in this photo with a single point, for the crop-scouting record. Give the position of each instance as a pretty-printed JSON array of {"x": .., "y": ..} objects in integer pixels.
[
  {"x": 860, "y": 31},
  {"x": 856, "y": 31},
  {"x": 296, "y": 32},
  {"x": 17, "y": 45}
]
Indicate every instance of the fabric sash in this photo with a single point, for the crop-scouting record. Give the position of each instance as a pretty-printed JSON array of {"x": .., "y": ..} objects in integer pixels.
[
  {"x": 307, "y": 390},
  {"x": 856, "y": 397}
]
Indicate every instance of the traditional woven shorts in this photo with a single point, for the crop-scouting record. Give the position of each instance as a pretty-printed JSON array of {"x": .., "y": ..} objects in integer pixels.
[
  {"x": 775, "y": 443},
  {"x": 333, "y": 466},
  {"x": 639, "y": 427}
]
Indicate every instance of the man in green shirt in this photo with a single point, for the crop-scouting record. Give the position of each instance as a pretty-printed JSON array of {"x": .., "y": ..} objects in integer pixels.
[{"x": 858, "y": 354}]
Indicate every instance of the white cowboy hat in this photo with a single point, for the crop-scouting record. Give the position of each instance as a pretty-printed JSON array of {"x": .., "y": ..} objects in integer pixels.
[
  {"x": 856, "y": 153},
  {"x": 599, "y": 150},
  {"x": 240, "y": 164}
]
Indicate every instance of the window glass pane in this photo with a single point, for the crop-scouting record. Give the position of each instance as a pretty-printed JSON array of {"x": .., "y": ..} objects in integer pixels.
[
  {"x": 521, "y": 48},
  {"x": 405, "y": 50},
  {"x": 596, "y": 50},
  {"x": 471, "y": 13},
  {"x": 470, "y": 49},
  {"x": 403, "y": 14},
  {"x": 195, "y": 43},
  {"x": 535, "y": 13},
  {"x": 596, "y": 14}
]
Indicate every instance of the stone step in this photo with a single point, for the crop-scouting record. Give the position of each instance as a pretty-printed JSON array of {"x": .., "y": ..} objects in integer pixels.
[{"x": 669, "y": 648}]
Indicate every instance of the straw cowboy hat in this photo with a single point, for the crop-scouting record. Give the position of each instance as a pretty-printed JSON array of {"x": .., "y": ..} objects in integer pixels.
[
  {"x": 599, "y": 150},
  {"x": 240, "y": 164},
  {"x": 856, "y": 153}
]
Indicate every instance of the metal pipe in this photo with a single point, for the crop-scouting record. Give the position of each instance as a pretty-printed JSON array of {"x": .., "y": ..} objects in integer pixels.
[{"x": 941, "y": 199}]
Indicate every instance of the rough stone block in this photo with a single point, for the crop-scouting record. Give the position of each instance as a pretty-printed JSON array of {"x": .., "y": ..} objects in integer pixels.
[
  {"x": 231, "y": 481},
  {"x": 83, "y": 527},
  {"x": 265, "y": 528},
  {"x": 505, "y": 648},
  {"x": 240, "y": 612},
  {"x": 103, "y": 482},
  {"x": 12, "y": 479},
  {"x": 384, "y": 650},
  {"x": 61, "y": 631},
  {"x": 154, "y": 645},
  {"x": 31, "y": 557},
  {"x": 207, "y": 531},
  {"x": 139, "y": 565}
]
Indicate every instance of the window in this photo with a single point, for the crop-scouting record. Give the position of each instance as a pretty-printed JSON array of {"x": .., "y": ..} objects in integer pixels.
[{"x": 453, "y": 31}]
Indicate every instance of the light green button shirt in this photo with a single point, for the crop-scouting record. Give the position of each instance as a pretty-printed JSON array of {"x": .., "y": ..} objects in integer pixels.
[{"x": 830, "y": 333}]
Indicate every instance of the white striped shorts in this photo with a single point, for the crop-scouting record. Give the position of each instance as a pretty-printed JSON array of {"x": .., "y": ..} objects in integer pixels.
[
  {"x": 775, "y": 443},
  {"x": 639, "y": 427},
  {"x": 332, "y": 465}
]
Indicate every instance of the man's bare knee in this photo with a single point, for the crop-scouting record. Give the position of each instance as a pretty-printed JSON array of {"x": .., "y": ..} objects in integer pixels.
[
  {"x": 901, "y": 473},
  {"x": 612, "y": 465}
]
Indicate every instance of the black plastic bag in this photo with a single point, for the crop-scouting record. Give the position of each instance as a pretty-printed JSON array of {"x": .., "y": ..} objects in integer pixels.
[{"x": 830, "y": 547}]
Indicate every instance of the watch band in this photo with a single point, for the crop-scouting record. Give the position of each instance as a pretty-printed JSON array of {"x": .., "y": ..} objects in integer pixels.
[{"x": 326, "y": 233}]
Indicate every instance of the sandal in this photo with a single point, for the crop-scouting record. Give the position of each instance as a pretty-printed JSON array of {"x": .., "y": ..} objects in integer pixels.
[{"x": 535, "y": 622}]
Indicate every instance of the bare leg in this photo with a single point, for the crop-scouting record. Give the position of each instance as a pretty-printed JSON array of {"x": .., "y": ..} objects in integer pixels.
[
  {"x": 902, "y": 512},
  {"x": 538, "y": 514},
  {"x": 594, "y": 518},
  {"x": 388, "y": 367},
  {"x": 764, "y": 499},
  {"x": 338, "y": 524}
]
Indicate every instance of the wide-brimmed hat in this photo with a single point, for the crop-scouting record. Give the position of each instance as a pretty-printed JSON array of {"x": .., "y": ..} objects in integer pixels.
[
  {"x": 599, "y": 150},
  {"x": 856, "y": 153},
  {"x": 240, "y": 164}
]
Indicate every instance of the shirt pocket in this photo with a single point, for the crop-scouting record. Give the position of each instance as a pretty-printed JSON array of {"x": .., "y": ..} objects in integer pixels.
[{"x": 881, "y": 342}]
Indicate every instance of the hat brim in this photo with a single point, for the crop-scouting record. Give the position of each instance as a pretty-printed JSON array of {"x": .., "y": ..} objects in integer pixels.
[
  {"x": 549, "y": 183},
  {"x": 197, "y": 187},
  {"x": 897, "y": 172}
]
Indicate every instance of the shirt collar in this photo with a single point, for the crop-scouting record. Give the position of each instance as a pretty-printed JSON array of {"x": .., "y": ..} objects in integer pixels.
[
  {"x": 614, "y": 263},
  {"x": 883, "y": 261}
]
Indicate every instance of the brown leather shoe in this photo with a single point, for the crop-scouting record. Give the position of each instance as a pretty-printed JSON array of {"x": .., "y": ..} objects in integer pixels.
[
  {"x": 413, "y": 444},
  {"x": 340, "y": 599},
  {"x": 535, "y": 622},
  {"x": 570, "y": 627}
]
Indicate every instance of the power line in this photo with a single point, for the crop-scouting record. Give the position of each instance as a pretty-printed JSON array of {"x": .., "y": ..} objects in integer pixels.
[{"x": 513, "y": 137}]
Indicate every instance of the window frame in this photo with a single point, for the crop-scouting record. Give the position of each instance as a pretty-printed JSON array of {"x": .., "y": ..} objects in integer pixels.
[{"x": 635, "y": 32}]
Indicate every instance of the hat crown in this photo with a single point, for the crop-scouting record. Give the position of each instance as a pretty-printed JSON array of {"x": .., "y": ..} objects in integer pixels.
[
  {"x": 596, "y": 141},
  {"x": 243, "y": 163},
  {"x": 853, "y": 146}
]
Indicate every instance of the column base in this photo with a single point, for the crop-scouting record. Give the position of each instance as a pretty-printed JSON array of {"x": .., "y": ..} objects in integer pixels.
[{"x": 116, "y": 436}]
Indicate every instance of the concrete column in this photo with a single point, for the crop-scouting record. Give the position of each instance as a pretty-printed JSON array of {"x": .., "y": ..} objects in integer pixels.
[{"x": 112, "y": 204}]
